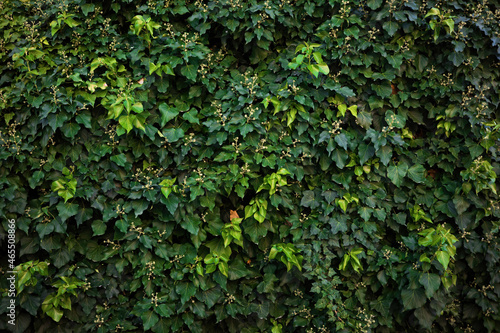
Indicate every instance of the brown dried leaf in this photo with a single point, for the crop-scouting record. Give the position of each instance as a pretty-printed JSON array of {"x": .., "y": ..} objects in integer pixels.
[{"x": 233, "y": 215}]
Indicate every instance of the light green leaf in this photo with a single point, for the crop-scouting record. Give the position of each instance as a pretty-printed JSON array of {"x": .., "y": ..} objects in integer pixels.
[
  {"x": 450, "y": 25},
  {"x": 137, "y": 107},
  {"x": 223, "y": 268},
  {"x": 443, "y": 258},
  {"x": 127, "y": 122},
  {"x": 314, "y": 69},
  {"x": 55, "y": 314},
  {"x": 342, "y": 109},
  {"x": 323, "y": 68},
  {"x": 433, "y": 12}
]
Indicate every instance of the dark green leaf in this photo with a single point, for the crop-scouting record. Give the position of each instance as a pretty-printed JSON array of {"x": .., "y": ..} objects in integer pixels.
[
  {"x": 383, "y": 90},
  {"x": 149, "y": 319},
  {"x": 430, "y": 282},
  {"x": 365, "y": 152},
  {"x": 396, "y": 173},
  {"x": 391, "y": 27},
  {"x": 167, "y": 113},
  {"x": 338, "y": 224},
  {"x": 413, "y": 298},
  {"x": 308, "y": 200},
  {"x": 340, "y": 158},
  {"x": 385, "y": 154},
  {"x": 186, "y": 290},
  {"x": 190, "y": 71},
  {"x": 67, "y": 210},
  {"x": 416, "y": 173}
]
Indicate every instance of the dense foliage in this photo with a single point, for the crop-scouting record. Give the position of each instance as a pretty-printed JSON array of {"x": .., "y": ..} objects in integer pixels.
[{"x": 251, "y": 166}]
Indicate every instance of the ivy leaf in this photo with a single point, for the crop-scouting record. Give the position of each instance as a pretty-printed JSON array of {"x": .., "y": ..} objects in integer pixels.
[
  {"x": 421, "y": 62},
  {"x": 341, "y": 140},
  {"x": 339, "y": 157},
  {"x": 191, "y": 116},
  {"x": 396, "y": 60},
  {"x": 211, "y": 296},
  {"x": 396, "y": 173},
  {"x": 457, "y": 58},
  {"x": 308, "y": 200},
  {"x": 127, "y": 122},
  {"x": 167, "y": 113},
  {"x": 382, "y": 306},
  {"x": 461, "y": 204},
  {"x": 365, "y": 213},
  {"x": 171, "y": 202},
  {"x": 67, "y": 210},
  {"x": 191, "y": 224},
  {"x": 149, "y": 318},
  {"x": 425, "y": 318},
  {"x": 238, "y": 269},
  {"x": 57, "y": 120},
  {"x": 269, "y": 161},
  {"x": 190, "y": 71},
  {"x": 431, "y": 283},
  {"x": 364, "y": 119},
  {"x": 70, "y": 130},
  {"x": 35, "y": 179},
  {"x": 314, "y": 69},
  {"x": 245, "y": 129},
  {"x": 98, "y": 227},
  {"x": 55, "y": 313},
  {"x": 365, "y": 152},
  {"x": 374, "y": 4},
  {"x": 345, "y": 91},
  {"x": 173, "y": 134},
  {"x": 394, "y": 120},
  {"x": 342, "y": 178},
  {"x": 443, "y": 258},
  {"x": 416, "y": 173},
  {"x": 383, "y": 90},
  {"x": 61, "y": 257},
  {"x": 385, "y": 154},
  {"x": 186, "y": 290},
  {"x": 163, "y": 325},
  {"x": 29, "y": 302},
  {"x": 413, "y": 298},
  {"x": 262, "y": 309},
  {"x": 338, "y": 224},
  {"x": 256, "y": 230},
  {"x": 391, "y": 27},
  {"x": 119, "y": 159},
  {"x": 323, "y": 68}
]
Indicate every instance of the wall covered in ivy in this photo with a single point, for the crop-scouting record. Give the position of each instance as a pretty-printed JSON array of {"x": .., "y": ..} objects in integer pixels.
[{"x": 251, "y": 166}]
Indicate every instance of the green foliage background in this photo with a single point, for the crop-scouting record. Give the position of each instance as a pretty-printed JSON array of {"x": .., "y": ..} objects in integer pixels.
[{"x": 187, "y": 166}]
